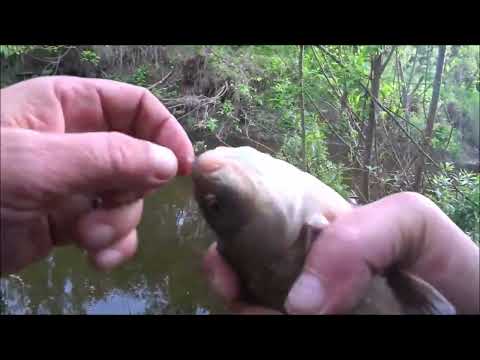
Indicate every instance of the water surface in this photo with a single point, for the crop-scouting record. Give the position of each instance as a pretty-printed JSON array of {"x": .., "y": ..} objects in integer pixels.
[{"x": 164, "y": 277}]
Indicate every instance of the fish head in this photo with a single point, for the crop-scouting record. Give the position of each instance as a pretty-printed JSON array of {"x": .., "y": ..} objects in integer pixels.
[{"x": 228, "y": 188}]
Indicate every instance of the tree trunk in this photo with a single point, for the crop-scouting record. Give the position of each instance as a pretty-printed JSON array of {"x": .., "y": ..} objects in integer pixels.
[
  {"x": 437, "y": 82},
  {"x": 376, "y": 65},
  {"x": 302, "y": 105}
]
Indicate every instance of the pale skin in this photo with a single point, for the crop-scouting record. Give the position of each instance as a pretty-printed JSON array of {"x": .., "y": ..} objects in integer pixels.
[
  {"x": 67, "y": 141},
  {"x": 406, "y": 229}
]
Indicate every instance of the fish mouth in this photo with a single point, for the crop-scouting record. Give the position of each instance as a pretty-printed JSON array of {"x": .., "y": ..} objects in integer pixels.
[
  {"x": 207, "y": 181},
  {"x": 218, "y": 186},
  {"x": 207, "y": 173},
  {"x": 208, "y": 163}
]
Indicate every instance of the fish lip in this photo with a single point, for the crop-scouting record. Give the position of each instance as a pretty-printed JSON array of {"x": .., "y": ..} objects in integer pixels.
[
  {"x": 205, "y": 184},
  {"x": 207, "y": 179},
  {"x": 204, "y": 167}
]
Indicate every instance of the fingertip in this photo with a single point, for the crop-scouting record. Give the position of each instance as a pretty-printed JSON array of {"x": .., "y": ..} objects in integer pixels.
[
  {"x": 307, "y": 295},
  {"x": 115, "y": 255},
  {"x": 220, "y": 276},
  {"x": 173, "y": 136},
  {"x": 166, "y": 163},
  {"x": 185, "y": 164},
  {"x": 107, "y": 259}
]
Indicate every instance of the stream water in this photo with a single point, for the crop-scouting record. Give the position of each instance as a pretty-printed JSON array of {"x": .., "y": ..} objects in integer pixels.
[{"x": 163, "y": 278}]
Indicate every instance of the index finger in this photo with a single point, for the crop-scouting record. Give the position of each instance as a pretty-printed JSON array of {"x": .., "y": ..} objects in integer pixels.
[
  {"x": 221, "y": 277},
  {"x": 99, "y": 105}
]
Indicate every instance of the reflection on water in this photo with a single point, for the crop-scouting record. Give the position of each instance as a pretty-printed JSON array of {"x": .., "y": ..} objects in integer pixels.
[{"x": 163, "y": 278}]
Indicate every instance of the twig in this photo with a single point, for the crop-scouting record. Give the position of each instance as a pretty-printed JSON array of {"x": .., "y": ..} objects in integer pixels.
[
  {"x": 49, "y": 59},
  {"x": 188, "y": 113},
  {"x": 365, "y": 88},
  {"x": 387, "y": 60},
  {"x": 416, "y": 86},
  {"x": 412, "y": 161},
  {"x": 351, "y": 112},
  {"x": 333, "y": 130},
  {"x": 357, "y": 190},
  {"x": 451, "y": 127},
  {"x": 204, "y": 101},
  {"x": 260, "y": 144},
  {"x": 427, "y": 67},
  {"x": 326, "y": 120},
  {"x": 410, "y": 78},
  {"x": 60, "y": 58},
  {"x": 421, "y": 149},
  {"x": 396, "y": 157},
  {"x": 161, "y": 81},
  {"x": 394, "y": 118},
  {"x": 223, "y": 142}
]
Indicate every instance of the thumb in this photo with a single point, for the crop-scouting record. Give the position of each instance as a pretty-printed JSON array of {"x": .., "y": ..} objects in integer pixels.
[
  {"x": 333, "y": 279},
  {"x": 91, "y": 163},
  {"x": 354, "y": 247}
]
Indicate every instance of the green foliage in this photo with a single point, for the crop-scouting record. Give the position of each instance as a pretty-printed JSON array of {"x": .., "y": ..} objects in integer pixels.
[
  {"x": 317, "y": 159},
  {"x": 163, "y": 93},
  {"x": 284, "y": 98},
  {"x": 7, "y": 51},
  {"x": 227, "y": 108},
  {"x": 263, "y": 90},
  {"x": 461, "y": 75},
  {"x": 140, "y": 76},
  {"x": 212, "y": 124},
  {"x": 90, "y": 56},
  {"x": 463, "y": 212},
  {"x": 199, "y": 147},
  {"x": 446, "y": 138},
  {"x": 245, "y": 91}
]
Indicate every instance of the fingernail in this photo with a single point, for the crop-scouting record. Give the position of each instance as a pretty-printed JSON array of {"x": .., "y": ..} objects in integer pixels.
[
  {"x": 166, "y": 163},
  {"x": 108, "y": 258},
  {"x": 99, "y": 236},
  {"x": 306, "y": 296}
]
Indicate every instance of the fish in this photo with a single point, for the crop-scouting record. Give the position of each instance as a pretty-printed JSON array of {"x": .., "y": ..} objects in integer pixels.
[{"x": 266, "y": 213}]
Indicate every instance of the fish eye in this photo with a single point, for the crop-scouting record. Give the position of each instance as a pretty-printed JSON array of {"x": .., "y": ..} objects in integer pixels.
[{"x": 212, "y": 202}]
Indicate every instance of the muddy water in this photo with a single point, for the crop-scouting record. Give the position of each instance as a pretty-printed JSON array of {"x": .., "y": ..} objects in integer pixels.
[{"x": 163, "y": 278}]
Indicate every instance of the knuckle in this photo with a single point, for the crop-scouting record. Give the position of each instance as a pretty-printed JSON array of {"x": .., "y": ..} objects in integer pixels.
[
  {"x": 119, "y": 150},
  {"x": 414, "y": 199}
]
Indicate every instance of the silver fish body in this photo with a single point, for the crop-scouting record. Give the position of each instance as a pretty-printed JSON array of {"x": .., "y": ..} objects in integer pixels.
[{"x": 265, "y": 213}]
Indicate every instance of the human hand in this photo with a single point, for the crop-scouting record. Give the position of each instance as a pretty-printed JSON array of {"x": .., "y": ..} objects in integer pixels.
[
  {"x": 67, "y": 142},
  {"x": 405, "y": 229}
]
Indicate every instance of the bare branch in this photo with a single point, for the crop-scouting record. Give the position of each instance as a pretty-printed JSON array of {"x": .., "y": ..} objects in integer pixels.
[
  {"x": 421, "y": 149},
  {"x": 367, "y": 91},
  {"x": 410, "y": 78},
  {"x": 416, "y": 86},
  {"x": 330, "y": 126},
  {"x": 351, "y": 112},
  {"x": 165, "y": 78},
  {"x": 389, "y": 56},
  {"x": 302, "y": 106},
  {"x": 260, "y": 144},
  {"x": 394, "y": 151},
  {"x": 451, "y": 127}
]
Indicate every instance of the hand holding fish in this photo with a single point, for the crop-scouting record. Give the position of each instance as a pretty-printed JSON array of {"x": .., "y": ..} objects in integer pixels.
[{"x": 429, "y": 264}]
